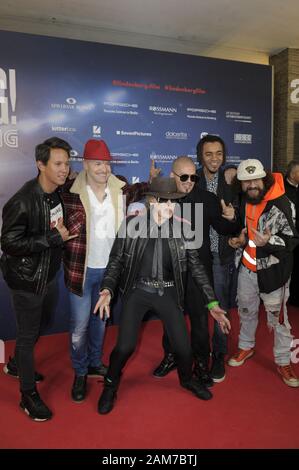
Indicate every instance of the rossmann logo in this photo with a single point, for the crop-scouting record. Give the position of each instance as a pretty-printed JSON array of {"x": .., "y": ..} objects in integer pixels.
[
  {"x": 176, "y": 135},
  {"x": 163, "y": 110}
]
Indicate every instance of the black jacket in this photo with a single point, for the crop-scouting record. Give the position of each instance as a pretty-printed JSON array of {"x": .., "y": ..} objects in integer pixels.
[
  {"x": 212, "y": 216},
  {"x": 225, "y": 192},
  {"x": 127, "y": 252},
  {"x": 26, "y": 239}
]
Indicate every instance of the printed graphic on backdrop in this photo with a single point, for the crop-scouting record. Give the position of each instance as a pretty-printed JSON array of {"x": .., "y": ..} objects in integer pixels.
[{"x": 145, "y": 104}]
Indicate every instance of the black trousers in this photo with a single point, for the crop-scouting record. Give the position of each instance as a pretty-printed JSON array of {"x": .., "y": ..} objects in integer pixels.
[
  {"x": 195, "y": 306},
  {"x": 33, "y": 315},
  {"x": 135, "y": 306}
]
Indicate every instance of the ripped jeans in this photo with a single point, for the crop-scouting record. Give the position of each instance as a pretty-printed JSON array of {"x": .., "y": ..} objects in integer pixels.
[{"x": 275, "y": 303}]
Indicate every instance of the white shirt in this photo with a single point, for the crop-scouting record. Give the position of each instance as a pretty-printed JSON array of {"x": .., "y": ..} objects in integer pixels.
[{"x": 102, "y": 229}]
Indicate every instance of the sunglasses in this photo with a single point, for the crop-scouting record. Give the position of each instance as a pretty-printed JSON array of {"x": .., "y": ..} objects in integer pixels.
[{"x": 184, "y": 178}]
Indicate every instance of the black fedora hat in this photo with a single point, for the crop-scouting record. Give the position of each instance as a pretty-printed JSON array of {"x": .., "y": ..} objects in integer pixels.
[{"x": 165, "y": 188}]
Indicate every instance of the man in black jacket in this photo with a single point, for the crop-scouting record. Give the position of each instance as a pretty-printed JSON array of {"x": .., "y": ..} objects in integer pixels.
[
  {"x": 33, "y": 234},
  {"x": 149, "y": 262},
  {"x": 220, "y": 217}
]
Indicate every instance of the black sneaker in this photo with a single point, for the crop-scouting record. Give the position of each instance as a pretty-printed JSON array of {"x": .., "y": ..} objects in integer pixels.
[
  {"x": 218, "y": 367},
  {"x": 79, "y": 388},
  {"x": 97, "y": 372},
  {"x": 34, "y": 406},
  {"x": 106, "y": 401},
  {"x": 198, "y": 389},
  {"x": 167, "y": 365},
  {"x": 201, "y": 371},
  {"x": 11, "y": 369}
]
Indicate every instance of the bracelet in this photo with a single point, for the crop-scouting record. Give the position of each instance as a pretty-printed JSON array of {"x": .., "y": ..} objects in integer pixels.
[{"x": 212, "y": 304}]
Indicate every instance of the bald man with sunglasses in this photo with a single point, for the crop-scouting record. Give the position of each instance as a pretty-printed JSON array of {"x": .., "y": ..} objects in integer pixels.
[{"x": 221, "y": 217}]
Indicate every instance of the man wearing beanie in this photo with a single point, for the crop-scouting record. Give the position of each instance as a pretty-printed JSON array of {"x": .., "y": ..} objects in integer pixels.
[{"x": 264, "y": 251}]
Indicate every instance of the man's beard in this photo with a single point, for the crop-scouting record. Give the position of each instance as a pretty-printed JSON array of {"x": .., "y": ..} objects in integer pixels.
[{"x": 255, "y": 200}]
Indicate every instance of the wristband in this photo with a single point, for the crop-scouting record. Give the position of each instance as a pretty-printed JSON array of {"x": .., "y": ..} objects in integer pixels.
[{"x": 212, "y": 304}]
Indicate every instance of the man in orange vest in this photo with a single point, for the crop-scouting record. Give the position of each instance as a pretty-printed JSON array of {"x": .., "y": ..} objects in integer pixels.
[{"x": 264, "y": 253}]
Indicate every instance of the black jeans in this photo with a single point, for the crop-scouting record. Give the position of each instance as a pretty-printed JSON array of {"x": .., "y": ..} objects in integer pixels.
[
  {"x": 33, "y": 314},
  {"x": 135, "y": 306},
  {"x": 195, "y": 306}
]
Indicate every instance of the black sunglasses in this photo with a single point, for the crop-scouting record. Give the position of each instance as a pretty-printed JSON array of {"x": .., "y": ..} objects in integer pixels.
[{"x": 184, "y": 178}]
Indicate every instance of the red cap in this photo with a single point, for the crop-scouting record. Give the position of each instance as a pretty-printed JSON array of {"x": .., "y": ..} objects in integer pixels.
[{"x": 96, "y": 150}]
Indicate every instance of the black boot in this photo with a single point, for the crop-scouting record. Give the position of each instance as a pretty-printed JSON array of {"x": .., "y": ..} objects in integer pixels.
[
  {"x": 167, "y": 365},
  {"x": 198, "y": 388},
  {"x": 218, "y": 367},
  {"x": 201, "y": 370},
  {"x": 108, "y": 397},
  {"x": 79, "y": 388}
]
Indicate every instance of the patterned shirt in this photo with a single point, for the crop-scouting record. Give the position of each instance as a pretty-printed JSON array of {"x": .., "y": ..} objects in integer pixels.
[{"x": 212, "y": 186}]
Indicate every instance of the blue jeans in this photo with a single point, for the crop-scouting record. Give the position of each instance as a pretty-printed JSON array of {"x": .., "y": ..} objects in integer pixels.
[
  {"x": 223, "y": 279},
  {"x": 86, "y": 329}
]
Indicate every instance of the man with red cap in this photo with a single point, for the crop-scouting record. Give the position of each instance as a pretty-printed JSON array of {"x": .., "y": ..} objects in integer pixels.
[{"x": 95, "y": 206}]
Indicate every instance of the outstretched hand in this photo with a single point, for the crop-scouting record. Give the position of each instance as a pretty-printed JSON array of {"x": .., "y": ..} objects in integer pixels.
[
  {"x": 154, "y": 172},
  {"x": 220, "y": 316},
  {"x": 103, "y": 304}
]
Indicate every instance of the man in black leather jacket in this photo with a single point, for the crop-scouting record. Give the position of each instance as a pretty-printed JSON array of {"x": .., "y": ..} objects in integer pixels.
[
  {"x": 149, "y": 262},
  {"x": 33, "y": 234}
]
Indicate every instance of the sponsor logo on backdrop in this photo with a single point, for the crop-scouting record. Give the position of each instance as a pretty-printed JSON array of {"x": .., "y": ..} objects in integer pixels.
[
  {"x": 71, "y": 103},
  {"x": 135, "y": 179},
  {"x": 63, "y": 129},
  {"x": 294, "y": 96},
  {"x": 202, "y": 113},
  {"x": 8, "y": 119},
  {"x": 96, "y": 131},
  {"x": 133, "y": 133},
  {"x": 163, "y": 157},
  {"x": 125, "y": 154},
  {"x": 243, "y": 138},
  {"x": 163, "y": 110},
  {"x": 203, "y": 134},
  {"x": 176, "y": 135},
  {"x": 238, "y": 117},
  {"x": 75, "y": 155},
  {"x": 115, "y": 107}
]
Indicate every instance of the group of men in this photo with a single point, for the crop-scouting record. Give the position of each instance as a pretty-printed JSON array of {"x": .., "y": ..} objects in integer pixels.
[{"x": 249, "y": 225}]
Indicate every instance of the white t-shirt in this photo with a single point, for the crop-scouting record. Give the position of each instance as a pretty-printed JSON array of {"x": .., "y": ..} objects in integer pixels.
[{"x": 102, "y": 229}]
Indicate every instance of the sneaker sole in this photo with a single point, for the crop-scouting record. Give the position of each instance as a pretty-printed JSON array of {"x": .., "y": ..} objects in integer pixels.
[
  {"x": 290, "y": 384},
  {"x": 31, "y": 417},
  {"x": 233, "y": 363},
  {"x": 7, "y": 372},
  {"x": 219, "y": 380}
]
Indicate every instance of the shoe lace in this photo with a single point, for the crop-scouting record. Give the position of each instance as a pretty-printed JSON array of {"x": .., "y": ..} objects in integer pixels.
[{"x": 288, "y": 371}]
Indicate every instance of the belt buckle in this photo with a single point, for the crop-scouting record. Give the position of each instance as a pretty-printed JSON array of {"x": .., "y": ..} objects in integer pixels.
[{"x": 156, "y": 284}]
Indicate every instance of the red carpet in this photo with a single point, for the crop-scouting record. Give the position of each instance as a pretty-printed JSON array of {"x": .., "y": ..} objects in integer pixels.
[{"x": 252, "y": 408}]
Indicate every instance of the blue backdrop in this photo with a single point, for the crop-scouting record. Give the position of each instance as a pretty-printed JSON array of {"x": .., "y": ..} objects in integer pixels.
[{"x": 145, "y": 104}]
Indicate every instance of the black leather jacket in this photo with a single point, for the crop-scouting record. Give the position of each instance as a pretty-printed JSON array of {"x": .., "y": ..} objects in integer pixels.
[
  {"x": 126, "y": 255},
  {"x": 26, "y": 239}
]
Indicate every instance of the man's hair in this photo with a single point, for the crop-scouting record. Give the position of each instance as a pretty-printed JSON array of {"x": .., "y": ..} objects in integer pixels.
[
  {"x": 209, "y": 138},
  {"x": 292, "y": 164},
  {"x": 42, "y": 151},
  {"x": 268, "y": 182}
]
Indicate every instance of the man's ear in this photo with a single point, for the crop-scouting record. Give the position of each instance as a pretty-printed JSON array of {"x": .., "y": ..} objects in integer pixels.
[
  {"x": 40, "y": 165},
  {"x": 171, "y": 174}
]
